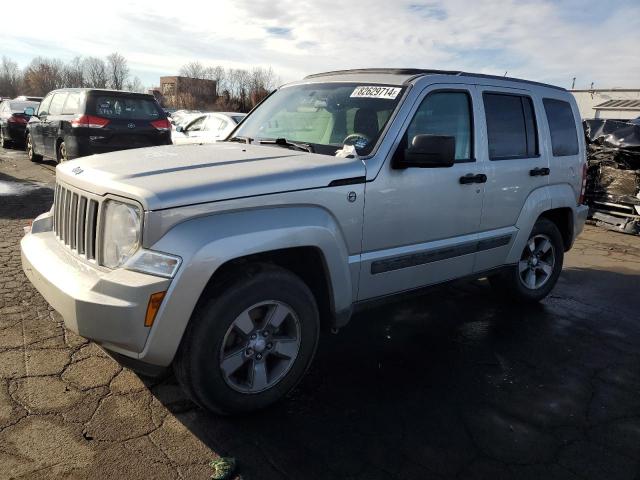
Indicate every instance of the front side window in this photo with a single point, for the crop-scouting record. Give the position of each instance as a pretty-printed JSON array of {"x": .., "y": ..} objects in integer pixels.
[
  {"x": 511, "y": 126},
  {"x": 562, "y": 125},
  {"x": 196, "y": 125},
  {"x": 326, "y": 116},
  {"x": 57, "y": 103},
  {"x": 445, "y": 113}
]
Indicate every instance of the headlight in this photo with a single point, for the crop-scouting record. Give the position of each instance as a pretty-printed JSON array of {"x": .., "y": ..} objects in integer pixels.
[{"x": 121, "y": 233}]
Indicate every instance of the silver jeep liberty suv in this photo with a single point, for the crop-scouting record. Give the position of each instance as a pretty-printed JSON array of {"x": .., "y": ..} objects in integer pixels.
[{"x": 225, "y": 260}]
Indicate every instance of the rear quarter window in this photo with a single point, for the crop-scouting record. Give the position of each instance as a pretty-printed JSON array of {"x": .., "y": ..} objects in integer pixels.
[
  {"x": 125, "y": 108},
  {"x": 562, "y": 125}
]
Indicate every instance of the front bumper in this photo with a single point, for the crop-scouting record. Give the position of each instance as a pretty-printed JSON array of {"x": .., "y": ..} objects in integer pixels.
[{"x": 105, "y": 306}]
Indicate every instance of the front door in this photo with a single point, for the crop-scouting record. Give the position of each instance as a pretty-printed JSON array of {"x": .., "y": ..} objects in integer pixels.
[
  {"x": 421, "y": 224},
  {"x": 36, "y": 124}
]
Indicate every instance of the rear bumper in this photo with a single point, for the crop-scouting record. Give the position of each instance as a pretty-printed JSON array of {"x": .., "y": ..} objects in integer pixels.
[
  {"x": 82, "y": 146},
  {"x": 106, "y": 306},
  {"x": 579, "y": 219},
  {"x": 15, "y": 132}
]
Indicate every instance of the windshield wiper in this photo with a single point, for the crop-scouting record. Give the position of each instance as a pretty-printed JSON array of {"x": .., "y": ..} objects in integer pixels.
[
  {"x": 283, "y": 142},
  {"x": 241, "y": 139}
]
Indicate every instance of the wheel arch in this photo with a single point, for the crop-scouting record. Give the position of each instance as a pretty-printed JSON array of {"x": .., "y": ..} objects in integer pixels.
[{"x": 303, "y": 239}]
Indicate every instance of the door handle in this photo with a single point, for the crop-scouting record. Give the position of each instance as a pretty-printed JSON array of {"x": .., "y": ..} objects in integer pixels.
[
  {"x": 471, "y": 178},
  {"x": 539, "y": 172}
]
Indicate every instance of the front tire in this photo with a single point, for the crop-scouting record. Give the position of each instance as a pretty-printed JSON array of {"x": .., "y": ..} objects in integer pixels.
[
  {"x": 539, "y": 267},
  {"x": 33, "y": 156},
  {"x": 4, "y": 143},
  {"x": 62, "y": 153},
  {"x": 250, "y": 343}
]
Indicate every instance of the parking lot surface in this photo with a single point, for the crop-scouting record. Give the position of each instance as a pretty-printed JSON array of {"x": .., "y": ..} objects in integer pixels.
[{"x": 449, "y": 383}]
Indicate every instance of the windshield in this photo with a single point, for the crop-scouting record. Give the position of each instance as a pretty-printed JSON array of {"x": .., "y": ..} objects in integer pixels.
[{"x": 326, "y": 116}]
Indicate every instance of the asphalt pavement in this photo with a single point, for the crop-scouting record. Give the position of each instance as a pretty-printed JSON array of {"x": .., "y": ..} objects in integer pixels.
[{"x": 449, "y": 383}]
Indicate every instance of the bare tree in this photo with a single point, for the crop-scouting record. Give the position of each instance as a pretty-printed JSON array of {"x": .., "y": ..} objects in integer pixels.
[
  {"x": 193, "y": 70},
  {"x": 10, "y": 78},
  {"x": 216, "y": 74},
  {"x": 118, "y": 71},
  {"x": 135, "y": 85},
  {"x": 43, "y": 75},
  {"x": 95, "y": 72},
  {"x": 73, "y": 73}
]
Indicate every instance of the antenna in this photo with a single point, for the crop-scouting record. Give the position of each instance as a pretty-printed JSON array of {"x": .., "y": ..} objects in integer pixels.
[
  {"x": 573, "y": 84},
  {"x": 505, "y": 73}
]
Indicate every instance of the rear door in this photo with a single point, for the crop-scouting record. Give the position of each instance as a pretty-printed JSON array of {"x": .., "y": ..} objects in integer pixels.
[
  {"x": 133, "y": 121},
  {"x": 515, "y": 165}
]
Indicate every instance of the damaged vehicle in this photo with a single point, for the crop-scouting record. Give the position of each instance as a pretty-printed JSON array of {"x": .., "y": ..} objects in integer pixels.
[
  {"x": 225, "y": 260},
  {"x": 613, "y": 175}
]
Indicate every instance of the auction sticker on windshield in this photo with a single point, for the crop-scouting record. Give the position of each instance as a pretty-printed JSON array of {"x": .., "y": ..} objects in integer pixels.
[{"x": 373, "y": 91}]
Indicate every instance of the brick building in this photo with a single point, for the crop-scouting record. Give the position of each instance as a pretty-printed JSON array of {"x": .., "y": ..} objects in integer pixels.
[{"x": 189, "y": 93}]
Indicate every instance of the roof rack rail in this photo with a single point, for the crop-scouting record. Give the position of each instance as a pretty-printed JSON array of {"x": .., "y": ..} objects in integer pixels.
[{"x": 419, "y": 72}]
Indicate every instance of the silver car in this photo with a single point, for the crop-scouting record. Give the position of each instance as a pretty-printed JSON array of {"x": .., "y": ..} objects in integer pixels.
[{"x": 225, "y": 260}]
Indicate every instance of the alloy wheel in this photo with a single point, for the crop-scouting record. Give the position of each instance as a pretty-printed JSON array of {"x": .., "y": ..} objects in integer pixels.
[
  {"x": 537, "y": 262},
  {"x": 29, "y": 147},
  {"x": 260, "y": 347}
]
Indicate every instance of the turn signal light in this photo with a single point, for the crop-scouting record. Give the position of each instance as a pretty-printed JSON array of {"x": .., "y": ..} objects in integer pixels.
[{"x": 155, "y": 300}]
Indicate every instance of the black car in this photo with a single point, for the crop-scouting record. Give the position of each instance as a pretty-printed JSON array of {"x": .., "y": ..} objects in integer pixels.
[
  {"x": 75, "y": 122},
  {"x": 13, "y": 120}
]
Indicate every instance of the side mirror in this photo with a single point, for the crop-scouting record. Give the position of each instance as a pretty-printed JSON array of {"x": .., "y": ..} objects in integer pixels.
[
  {"x": 179, "y": 128},
  {"x": 428, "y": 151},
  {"x": 29, "y": 111}
]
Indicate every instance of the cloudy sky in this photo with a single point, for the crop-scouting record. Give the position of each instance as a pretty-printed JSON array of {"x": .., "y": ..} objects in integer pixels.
[{"x": 550, "y": 41}]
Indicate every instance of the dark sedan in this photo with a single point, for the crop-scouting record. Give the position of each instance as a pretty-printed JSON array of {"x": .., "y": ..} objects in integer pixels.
[{"x": 13, "y": 121}]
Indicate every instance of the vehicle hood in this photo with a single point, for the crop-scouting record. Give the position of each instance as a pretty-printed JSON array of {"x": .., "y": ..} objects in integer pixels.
[{"x": 177, "y": 175}]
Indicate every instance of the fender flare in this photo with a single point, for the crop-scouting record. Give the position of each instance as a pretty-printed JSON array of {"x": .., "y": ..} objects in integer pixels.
[
  {"x": 539, "y": 201},
  {"x": 206, "y": 243}
]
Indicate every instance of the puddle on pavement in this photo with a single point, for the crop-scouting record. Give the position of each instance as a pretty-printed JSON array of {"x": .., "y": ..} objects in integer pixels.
[{"x": 17, "y": 188}]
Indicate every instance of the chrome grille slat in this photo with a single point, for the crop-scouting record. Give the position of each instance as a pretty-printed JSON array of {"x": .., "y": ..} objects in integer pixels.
[
  {"x": 80, "y": 230},
  {"x": 75, "y": 220}
]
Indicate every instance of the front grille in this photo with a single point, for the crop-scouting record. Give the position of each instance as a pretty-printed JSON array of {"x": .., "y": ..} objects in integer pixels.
[{"x": 75, "y": 220}]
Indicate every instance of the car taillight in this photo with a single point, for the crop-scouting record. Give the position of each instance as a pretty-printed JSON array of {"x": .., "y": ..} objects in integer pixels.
[
  {"x": 89, "y": 121},
  {"x": 14, "y": 119},
  {"x": 584, "y": 184},
  {"x": 162, "y": 124}
]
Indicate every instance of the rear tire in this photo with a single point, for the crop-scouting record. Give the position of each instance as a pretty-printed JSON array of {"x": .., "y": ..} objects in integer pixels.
[
  {"x": 539, "y": 267},
  {"x": 34, "y": 157},
  {"x": 250, "y": 342}
]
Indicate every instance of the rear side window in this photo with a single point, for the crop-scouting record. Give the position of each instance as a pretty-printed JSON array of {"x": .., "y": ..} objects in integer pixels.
[
  {"x": 125, "y": 108},
  {"x": 44, "y": 106},
  {"x": 562, "y": 125},
  {"x": 57, "y": 103},
  {"x": 511, "y": 126},
  {"x": 72, "y": 105},
  {"x": 445, "y": 113}
]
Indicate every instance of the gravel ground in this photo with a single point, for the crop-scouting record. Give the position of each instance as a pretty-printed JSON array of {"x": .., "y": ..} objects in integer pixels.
[{"x": 452, "y": 383}]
